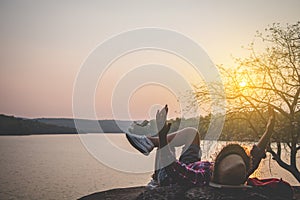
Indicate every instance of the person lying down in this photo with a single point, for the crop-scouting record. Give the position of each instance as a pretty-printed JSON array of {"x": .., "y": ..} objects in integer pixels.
[{"x": 232, "y": 165}]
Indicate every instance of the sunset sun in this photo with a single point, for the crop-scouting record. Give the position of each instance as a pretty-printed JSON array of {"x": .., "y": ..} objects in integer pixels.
[{"x": 243, "y": 84}]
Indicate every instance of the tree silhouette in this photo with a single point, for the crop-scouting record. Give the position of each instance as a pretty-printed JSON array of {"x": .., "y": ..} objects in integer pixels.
[{"x": 268, "y": 77}]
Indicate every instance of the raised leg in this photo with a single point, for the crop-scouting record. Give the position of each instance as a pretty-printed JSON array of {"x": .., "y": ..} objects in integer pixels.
[{"x": 184, "y": 136}]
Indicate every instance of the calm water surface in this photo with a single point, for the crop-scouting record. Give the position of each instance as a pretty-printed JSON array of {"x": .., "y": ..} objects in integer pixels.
[{"x": 59, "y": 167}]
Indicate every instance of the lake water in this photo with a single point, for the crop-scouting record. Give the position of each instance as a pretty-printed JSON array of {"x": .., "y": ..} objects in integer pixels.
[{"x": 60, "y": 167}]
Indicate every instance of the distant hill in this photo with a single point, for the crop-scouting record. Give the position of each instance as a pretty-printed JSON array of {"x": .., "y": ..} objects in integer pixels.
[
  {"x": 10, "y": 125},
  {"x": 88, "y": 126}
]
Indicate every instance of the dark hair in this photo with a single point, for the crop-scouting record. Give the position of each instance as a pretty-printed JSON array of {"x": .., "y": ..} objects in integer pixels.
[{"x": 228, "y": 150}]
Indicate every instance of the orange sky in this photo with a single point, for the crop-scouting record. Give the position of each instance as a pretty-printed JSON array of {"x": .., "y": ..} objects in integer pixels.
[{"x": 43, "y": 45}]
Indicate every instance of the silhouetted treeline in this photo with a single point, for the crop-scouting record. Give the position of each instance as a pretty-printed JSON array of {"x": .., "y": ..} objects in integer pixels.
[{"x": 237, "y": 127}]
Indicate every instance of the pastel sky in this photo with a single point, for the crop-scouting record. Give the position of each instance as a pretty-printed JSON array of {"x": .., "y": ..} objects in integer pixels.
[{"x": 44, "y": 44}]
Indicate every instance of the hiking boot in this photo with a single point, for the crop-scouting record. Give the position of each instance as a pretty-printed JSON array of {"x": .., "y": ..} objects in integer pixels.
[
  {"x": 141, "y": 143},
  {"x": 152, "y": 184}
]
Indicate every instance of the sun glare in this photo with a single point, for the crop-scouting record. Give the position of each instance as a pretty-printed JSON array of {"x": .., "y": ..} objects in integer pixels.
[{"x": 243, "y": 84}]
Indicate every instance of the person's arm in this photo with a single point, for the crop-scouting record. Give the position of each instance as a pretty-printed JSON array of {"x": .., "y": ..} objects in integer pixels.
[
  {"x": 264, "y": 140},
  {"x": 258, "y": 150}
]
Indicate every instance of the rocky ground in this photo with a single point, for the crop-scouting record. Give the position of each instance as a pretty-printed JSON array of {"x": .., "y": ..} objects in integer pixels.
[{"x": 199, "y": 193}]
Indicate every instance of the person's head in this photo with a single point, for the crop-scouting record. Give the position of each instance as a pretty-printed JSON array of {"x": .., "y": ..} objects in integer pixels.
[{"x": 231, "y": 165}]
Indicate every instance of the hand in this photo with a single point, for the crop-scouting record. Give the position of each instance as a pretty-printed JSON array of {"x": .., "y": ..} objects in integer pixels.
[
  {"x": 161, "y": 118},
  {"x": 271, "y": 112},
  {"x": 271, "y": 121}
]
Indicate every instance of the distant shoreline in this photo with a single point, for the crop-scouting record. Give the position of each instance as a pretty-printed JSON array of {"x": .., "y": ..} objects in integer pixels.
[{"x": 10, "y": 125}]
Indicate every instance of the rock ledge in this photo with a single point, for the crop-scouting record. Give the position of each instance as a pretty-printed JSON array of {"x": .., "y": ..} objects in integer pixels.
[{"x": 199, "y": 193}]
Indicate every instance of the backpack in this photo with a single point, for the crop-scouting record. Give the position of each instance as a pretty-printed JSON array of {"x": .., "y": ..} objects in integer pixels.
[{"x": 275, "y": 187}]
